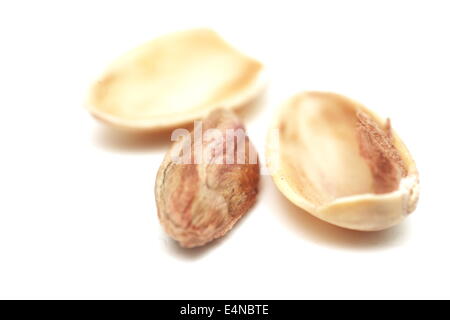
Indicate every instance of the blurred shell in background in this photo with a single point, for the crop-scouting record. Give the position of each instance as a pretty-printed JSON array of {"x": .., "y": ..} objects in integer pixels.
[{"x": 174, "y": 80}]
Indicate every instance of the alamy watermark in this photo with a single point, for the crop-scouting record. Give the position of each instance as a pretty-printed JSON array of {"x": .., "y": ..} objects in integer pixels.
[{"x": 216, "y": 146}]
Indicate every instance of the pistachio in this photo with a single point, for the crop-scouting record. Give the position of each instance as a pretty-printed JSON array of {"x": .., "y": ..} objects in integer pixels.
[
  {"x": 207, "y": 181},
  {"x": 173, "y": 80},
  {"x": 340, "y": 162}
]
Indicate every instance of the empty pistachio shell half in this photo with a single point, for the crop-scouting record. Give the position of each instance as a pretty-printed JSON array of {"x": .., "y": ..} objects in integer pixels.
[
  {"x": 339, "y": 161},
  {"x": 173, "y": 80},
  {"x": 207, "y": 181}
]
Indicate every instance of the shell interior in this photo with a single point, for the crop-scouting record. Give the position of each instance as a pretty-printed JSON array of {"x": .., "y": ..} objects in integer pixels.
[
  {"x": 173, "y": 80},
  {"x": 331, "y": 150}
]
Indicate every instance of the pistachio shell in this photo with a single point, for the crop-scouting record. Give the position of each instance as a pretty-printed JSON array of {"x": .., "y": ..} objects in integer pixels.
[
  {"x": 339, "y": 161},
  {"x": 173, "y": 80},
  {"x": 202, "y": 199}
]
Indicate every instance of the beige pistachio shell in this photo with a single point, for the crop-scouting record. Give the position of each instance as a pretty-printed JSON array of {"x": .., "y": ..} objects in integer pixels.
[
  {"x": 340, "y": 162},
  {"x": 173, "y": 80},
  {"x": 207, "y": 181}
]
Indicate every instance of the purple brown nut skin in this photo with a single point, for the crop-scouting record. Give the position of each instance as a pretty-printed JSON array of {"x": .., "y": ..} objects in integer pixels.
[{"x": 200, "y": 201}]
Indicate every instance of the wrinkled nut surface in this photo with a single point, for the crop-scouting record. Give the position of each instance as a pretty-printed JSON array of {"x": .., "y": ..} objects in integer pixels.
[
  {"x": 173, "y": 80},
  {"x": 340, "y": 162},
  {"x": 204, "y": 186}
]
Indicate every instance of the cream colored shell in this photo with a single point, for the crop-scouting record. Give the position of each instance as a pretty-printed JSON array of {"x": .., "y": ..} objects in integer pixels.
[
  {"x": 340, "y": 162},
  {"x": 173, "y": 80}
]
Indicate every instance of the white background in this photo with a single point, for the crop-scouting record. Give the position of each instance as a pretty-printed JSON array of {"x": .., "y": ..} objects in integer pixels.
[{"x": 77, "y": 210}]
